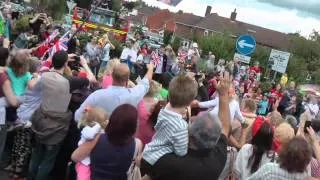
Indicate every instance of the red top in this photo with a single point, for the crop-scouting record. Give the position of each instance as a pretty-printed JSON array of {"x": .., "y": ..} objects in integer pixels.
[
  {"x": 256, "y": 69},
  {"x": 3, "y": 78}
]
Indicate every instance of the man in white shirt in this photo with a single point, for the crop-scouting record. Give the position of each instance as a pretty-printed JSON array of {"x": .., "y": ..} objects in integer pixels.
[
  {"x": 118, "y": 94},
  {"x": 234, "y": 107}
]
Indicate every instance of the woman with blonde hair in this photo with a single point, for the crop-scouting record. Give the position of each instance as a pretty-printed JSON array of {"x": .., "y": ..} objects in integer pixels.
[
  {"x": 106, "y": 45},
  {"x": 107, "y": 78}
]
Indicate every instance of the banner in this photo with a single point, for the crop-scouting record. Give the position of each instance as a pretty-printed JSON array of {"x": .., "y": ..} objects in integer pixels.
[
  {"x": 170, "y": 2},
  {"x": 242, "y": 58},
  {"x": 279, "y": 59}
]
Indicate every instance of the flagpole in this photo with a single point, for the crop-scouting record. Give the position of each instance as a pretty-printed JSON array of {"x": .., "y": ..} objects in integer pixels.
[{"x": 86, "y": 19}]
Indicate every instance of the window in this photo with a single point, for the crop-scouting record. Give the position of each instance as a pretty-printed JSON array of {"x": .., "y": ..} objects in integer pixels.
[{"x": 206, "y": 33}]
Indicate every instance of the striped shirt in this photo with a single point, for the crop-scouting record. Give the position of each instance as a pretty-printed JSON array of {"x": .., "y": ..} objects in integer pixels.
[
  {"x": 171, "y": 137},
  {"x": 272, "y": 171}
]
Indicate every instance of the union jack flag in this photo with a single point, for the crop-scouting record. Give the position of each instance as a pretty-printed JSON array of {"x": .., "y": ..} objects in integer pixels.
[
  {"x": 155, "y": 58},
  {"x": 182, "y": 55},
  {"x": 53, "y": 35},
  {"x": 61, "y": 45}
]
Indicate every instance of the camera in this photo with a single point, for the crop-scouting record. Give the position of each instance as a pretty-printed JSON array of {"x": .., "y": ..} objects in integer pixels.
[{"x": 77, "y": 58}]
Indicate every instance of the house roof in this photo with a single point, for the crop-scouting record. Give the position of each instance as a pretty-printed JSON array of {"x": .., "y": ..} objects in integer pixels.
[
  {"x": 187, "y": 18},
  {"x": 160, "y": 20},
  {"x": 148, "y": 10},
  {"x": 266, "y": 37}
]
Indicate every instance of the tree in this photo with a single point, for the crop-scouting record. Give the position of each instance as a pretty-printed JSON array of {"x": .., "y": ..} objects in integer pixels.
[
  {"x": 176, "y": 44},
  {"x": 167, "y": 37},
  {"x": 55, "y": 8}
]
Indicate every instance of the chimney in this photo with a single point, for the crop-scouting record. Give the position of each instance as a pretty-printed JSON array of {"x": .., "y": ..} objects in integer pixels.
[
  {"x": 208, "y": 11},
  {"x": 234, "y": 15}
]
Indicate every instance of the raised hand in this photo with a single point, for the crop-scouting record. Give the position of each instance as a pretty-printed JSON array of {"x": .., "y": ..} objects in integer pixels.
[{"x": 224, "y": 84}]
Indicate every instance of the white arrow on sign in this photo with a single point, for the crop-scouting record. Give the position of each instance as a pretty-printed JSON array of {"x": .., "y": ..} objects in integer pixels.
[{"x": 243, "y": 43}]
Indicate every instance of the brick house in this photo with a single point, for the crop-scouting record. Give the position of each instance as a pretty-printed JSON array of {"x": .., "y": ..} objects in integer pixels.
[{"x": 187, "y": 25}]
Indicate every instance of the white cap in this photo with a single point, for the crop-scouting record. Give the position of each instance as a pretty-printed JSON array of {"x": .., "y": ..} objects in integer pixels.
[{"x": 195, "y": 45}]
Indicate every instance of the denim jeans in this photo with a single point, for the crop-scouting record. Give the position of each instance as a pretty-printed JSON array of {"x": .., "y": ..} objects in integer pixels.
[
  {"x": 103, "y": 65},
  {"x": 42, "y": 161}
]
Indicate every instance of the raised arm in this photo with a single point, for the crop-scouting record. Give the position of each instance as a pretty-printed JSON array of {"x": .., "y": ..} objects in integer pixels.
[
  {"x": 224, "y": 110},
  {"x": 10, "y": 96}
]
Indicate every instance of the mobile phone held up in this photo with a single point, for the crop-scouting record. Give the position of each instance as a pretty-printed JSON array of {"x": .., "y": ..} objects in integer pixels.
[{"x": 306, "y": 125}]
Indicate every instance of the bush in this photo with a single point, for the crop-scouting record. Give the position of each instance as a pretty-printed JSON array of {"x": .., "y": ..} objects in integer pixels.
[{"x": 22, "y": 24}]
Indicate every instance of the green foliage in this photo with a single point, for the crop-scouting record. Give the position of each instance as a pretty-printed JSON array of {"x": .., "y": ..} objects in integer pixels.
[
  {"x": 304, "y": 60},
  {"x": 265, "y": 86},
  {"x": 116, "y": 5},
  {"x": 167, "y": 37},
  {"x": 219, "y": 44},
  {"x": 176, "y": 44},
  {"x": 55, "y": 8},
  {"x": 83, "y": 38},
  {"x": 22, "y": 24},
  {"x": 116, "y": 53}
]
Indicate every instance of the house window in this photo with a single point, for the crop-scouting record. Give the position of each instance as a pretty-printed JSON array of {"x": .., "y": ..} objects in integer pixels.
[
  {"x": 184, "y": 44},
  {"x": 161, "y": 33},
  {"x": 206, "y": 33}
]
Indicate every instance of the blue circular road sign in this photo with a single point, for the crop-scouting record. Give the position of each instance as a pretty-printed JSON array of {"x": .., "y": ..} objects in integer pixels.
[{"x": 246, "y": 44}]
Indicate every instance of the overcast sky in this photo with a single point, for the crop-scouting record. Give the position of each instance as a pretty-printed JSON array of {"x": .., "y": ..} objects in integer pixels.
[{"x": 287, "y": 16}]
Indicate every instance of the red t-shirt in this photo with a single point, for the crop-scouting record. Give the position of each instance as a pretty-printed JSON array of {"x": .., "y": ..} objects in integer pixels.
[
  {"x": 256, "y": 69},
  {"x": 3, "y": 78},
  {"x": 275, "y": 95}
]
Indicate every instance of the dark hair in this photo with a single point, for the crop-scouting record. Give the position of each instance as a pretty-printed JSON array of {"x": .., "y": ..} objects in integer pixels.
[
  {"x": 59, "y": 59},
  {"x": 262, "y": 143},
  {"x": 122, "y": 124},
  {"x": 165, "y": 79},
  {"x": 296, "y": 155},
  {"x": 4, "y": 54}
]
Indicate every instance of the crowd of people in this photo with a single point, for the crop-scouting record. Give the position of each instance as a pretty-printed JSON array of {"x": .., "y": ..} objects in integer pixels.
[{"x": 72, "y": 113}]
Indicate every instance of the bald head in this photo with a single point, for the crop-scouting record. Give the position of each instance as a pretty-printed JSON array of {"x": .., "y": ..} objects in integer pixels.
[{"x": 121, "y": 74}]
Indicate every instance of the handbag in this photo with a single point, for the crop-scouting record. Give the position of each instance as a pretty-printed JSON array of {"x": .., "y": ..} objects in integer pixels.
[{"x": 134, "y": 171}]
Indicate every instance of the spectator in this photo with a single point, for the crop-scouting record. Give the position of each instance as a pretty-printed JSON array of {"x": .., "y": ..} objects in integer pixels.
[
  {"x": 7, "y": 93},
  {"x": 182, "y": 91},
  {"x": 283, "y": 133},
  {"x": 93, "y": 122},
  {"x": 92, "y": 55},
  {"x": 207, "y": 151},
  {"x": 258, "y": 152},
  {"x": 312, "y": 107},
  {"x": 107, "y": 46},
  {"x": 74, "y": 42},
  {"x": 118, "y": 93},
  {"x": 248, "y": 110},
  {"x": 107, "y": 78},
  {"x": 293, "y": 162},
  {"x": 209, "y": 65},
  {"x": 51, "y": 121},
  {"x": 145, "y": 108},
  {"x": 235, "y": 112},
  {"x": 112, "y": 153},
  {"x": 161, "y": 64},
  {"x": 263, "y": 105},
  {"x": 292, "y": 89},
  {"x": 22, "y": 148}
]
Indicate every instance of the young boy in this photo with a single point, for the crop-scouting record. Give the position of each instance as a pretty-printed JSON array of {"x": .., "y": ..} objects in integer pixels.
[{"x": 171, "y": 129}]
